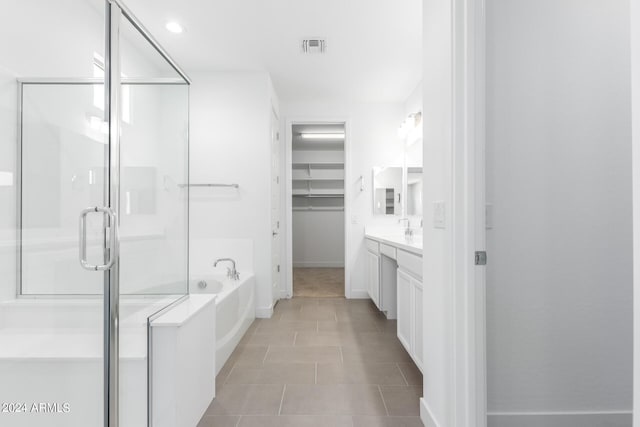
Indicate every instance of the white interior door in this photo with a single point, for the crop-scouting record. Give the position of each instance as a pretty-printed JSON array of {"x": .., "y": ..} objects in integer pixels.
[{"x": 275, "y": 208}]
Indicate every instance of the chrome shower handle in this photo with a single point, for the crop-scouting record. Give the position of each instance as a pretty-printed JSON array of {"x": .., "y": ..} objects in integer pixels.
[{"x": 112, "y": 238}]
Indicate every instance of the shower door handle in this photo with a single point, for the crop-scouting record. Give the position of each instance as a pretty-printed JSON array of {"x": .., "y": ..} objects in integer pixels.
[{"x": 113, "y": 225}]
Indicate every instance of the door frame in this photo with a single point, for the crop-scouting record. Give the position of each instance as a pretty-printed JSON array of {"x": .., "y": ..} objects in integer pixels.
[
  {"x": 288, "y": 261},
  {"x": 456, "y": 89},
  {"x": 635, "y": 121}
]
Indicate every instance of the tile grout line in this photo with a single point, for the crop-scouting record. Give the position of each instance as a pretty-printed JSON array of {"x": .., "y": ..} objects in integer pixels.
[
  {"x": 383, "y": 402},
  {"x": 264, "y": 359},
  {"x": 402, "y": 373},
  {"x": 341, "y": 355},
  {"x": 282, "y": 399},
  {"x": 315, "y": 381},
  {"x": 295, "y": 337},
  {"x": 229, "y": 374}
]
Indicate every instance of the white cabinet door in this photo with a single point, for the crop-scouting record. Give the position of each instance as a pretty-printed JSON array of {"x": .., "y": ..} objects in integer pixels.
[
  {"x": 373, "y": 262},
  {"x": 404, "y": 309},
  {"x": 418, "y": 350}
]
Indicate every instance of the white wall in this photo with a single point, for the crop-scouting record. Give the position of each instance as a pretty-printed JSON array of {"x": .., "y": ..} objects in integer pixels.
[
  {"x": 559, "y": 278},
  {"x": 372, "y": 141},
  {"x": 318, "y": 239},
  {"x": 230, "y": 143}
]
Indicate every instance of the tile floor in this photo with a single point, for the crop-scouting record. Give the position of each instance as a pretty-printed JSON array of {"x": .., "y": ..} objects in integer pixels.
[
  {"x": 319, "y": 362},
  {"x": 318, "y": 282}
]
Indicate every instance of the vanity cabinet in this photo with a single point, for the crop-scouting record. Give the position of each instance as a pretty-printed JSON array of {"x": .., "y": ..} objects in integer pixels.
[
  {"x": 373, "y": 273},
  {"x": 410, "y": 305},
  {"x": 381, "y": 277}
]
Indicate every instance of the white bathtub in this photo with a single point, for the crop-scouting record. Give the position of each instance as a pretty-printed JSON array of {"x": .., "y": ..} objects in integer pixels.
[{"x": 235, "y": 309}]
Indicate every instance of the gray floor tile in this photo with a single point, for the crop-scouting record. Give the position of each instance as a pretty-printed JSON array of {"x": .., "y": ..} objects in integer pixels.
[
  {"x": 219, "y": 421},
  {"x": 360, "y": 421},
  {"x": 248, "y": 354},
  {"x": 334, "y": 338},
  {"x": 360, "y": 367},
  {"x": 291, "y": 354},
  {"x": 402, "y": 400},
  {"x": 351, "y": 327},
  {"x": 322, "y": 399},
  {"x": 411, "y": 373},
  {"x": 241, "y": 399},
  {"x": 360, "y": 373},
  {"x": 282, "y": 326},
  {"x": 296, "y": 421},
  {"x": 375, "y": 353},
  {"x": 274, "y": 338},
  {"x": 273, "y": 373}
]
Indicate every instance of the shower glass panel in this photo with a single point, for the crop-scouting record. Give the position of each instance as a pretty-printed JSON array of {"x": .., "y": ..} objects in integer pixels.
[
  {"x": 153, "y": 207},
  {"x": 51, "y": 139},
  {"x": 55, "y": 162}
]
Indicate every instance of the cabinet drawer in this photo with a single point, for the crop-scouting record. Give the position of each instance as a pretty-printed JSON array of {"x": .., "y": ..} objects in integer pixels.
[
  {"x": 387, "y": 250},
  {"x": 372, "y": 246},
  {"x": 410, "y": 263}
]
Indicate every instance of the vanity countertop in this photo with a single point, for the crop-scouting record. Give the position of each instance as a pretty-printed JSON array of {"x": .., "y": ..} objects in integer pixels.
[{"x": 397, "y": 240}]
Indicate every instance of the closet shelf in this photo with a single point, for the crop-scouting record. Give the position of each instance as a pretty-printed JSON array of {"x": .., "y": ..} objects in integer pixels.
[
  {"x": 318, "y": 196},
  {"x": 318, "y": 209},
  {"x": 305, "y": 164},
  {"x": 319, "y": 179}
]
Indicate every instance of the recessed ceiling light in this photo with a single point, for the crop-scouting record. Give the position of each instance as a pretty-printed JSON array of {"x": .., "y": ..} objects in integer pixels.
[{"x": 174, "y": 27}]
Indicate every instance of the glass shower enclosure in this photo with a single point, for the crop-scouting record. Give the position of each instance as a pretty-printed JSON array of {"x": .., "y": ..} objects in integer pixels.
[{"x": 94, "y": 211}]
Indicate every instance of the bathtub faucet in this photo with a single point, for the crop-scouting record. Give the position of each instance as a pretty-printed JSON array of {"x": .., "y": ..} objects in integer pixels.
[{"x": 232, "y": 273}]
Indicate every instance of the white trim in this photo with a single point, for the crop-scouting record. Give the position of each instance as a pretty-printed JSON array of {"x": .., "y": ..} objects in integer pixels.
[
  {"x": 479, "y": 219},
  {"x": 635, "y": 121},
  {"x": 560, "y": 419},
  {"x": 359, "y": 294},
  {"x": 288, "y": 262},
  {"x": 553, "y": 413},
  {"x": 456, "y": 90},
  {"x": 426, "y": 416},
  {"x": 264, "y": 312}
]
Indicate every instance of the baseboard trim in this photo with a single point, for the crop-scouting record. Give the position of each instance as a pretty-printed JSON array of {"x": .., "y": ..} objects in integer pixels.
[
  {"x": 264, "y": 312},
  {"x": 426, "y": 416},
  {"x": 318, "y": 265},
  {"x": 616, "y": 418},
  {"x": 358, "y": 294}
]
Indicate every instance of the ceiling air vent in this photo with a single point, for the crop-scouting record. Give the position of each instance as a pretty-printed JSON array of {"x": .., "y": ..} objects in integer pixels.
[{"x": 314, "y": 45}]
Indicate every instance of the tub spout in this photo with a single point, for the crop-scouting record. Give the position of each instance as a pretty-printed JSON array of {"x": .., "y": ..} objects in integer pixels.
[{"x": 232, "y": 273}]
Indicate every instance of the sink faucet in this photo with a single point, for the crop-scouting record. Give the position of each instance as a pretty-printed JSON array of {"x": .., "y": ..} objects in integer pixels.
[
  {"x": 232, "y": 273},
  {"x": 408, "y": 232}
]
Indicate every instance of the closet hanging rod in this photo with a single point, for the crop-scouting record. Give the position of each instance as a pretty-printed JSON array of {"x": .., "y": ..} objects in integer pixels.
[{"x": 209, "y": 185}]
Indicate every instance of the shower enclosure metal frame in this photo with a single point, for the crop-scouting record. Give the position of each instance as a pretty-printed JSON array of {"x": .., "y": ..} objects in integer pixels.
[{"x": 115, "y": 11}]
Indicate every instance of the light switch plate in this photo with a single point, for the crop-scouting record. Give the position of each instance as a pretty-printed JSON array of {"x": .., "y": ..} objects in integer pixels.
[
  {"x": 355, "y": 220},
  {"x": 439, "y": 214},
  {"x": 488, "y": 216}
]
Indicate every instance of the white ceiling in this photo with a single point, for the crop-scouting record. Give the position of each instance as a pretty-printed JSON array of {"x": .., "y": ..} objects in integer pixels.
[{"x": 374, "y": 46}]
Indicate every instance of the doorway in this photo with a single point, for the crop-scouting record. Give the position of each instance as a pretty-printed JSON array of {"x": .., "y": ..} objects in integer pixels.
[{"x": 318, "y": 209}]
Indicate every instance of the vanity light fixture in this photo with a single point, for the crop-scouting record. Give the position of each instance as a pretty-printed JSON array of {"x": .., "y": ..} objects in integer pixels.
[
  {"x": 174, "y": 27},
  {"x": 322, "y": 135}
]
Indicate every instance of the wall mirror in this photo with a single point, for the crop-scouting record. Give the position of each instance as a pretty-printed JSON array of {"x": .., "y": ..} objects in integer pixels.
[
  {"x": 387, "y": 190},
  {"x": 414, "y": 191}
]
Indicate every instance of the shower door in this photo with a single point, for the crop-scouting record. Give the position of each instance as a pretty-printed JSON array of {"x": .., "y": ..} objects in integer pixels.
[{"x": 94, "y": 218}]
